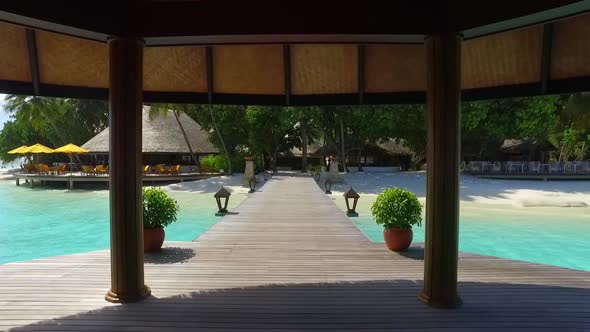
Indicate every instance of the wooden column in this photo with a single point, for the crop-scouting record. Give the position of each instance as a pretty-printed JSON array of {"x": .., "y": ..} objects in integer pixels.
[
  {"x": 125, "y": 97},
  {"x": 442, "y": 196}
]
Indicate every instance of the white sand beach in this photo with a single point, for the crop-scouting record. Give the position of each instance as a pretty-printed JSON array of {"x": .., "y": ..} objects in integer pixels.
[
  {"x": 211, "y": 185},
  {"x": 476, "y": 190}
]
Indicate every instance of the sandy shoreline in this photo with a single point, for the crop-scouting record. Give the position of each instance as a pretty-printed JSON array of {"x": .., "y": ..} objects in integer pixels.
[{"x": 516, "y": 193}]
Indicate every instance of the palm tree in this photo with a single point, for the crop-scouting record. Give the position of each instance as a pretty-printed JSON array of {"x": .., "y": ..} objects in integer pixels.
[{"x": 577, "y": 110}]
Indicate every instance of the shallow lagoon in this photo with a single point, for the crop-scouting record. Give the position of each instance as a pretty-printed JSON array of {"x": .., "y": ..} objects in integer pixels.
[{"x": 42, "y": 222}]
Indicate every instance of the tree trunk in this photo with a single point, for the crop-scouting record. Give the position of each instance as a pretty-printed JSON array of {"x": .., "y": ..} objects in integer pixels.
[
  {"x": 342, "y": 151},
  {"x": 188, "y": 144},
  {"x": 229, "y": 170},
  {"x": 304, "y": 149}
]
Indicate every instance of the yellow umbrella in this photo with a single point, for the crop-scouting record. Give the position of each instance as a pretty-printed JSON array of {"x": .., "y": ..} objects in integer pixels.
[
  {"x": 70, "y": 148},
  {"x": 38, "y": 148},
  {"x": 19, "y": 150}
]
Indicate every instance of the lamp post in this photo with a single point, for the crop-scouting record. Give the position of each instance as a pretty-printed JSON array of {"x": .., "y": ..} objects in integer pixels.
[
  {"x": 328, "y": 186},
  {"x": 354, "y": 196},
  {"x": 252, "y": 184},
  {"x": 222, "y": 193}
]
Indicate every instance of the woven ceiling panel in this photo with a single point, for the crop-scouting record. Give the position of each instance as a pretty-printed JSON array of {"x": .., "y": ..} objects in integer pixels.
[
  {"x": 65, "y": 60},
  {"x": 571, "y": 48},
  {"x": 181, "y": 69},
  {"x": 248, "y": 69},
  {"x": 391, "y": 68},
  {"x": 324, "y": 69},
  {"x": 506, "y": 58},
  {"x": 14, "y": 56}
]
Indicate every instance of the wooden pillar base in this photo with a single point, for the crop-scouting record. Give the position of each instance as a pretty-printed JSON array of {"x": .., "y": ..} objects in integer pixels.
[
  {"x": 441, "y": 303},
  {"x": 128, "y": 298}
]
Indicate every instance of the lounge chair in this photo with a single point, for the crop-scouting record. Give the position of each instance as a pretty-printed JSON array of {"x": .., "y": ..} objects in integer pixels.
[
  {"x": 161, "y": 169},
  {"x": 100, "y": 169},
  {"x": 175, "y": 170},
  {"x": 88, "y": 170}
]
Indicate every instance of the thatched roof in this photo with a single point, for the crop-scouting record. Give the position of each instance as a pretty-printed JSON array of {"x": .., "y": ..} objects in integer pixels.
[
  {"x": 391, "y": 146},
  {"x": 525, "y": 145},
  {"x": 162, "y": 134}
]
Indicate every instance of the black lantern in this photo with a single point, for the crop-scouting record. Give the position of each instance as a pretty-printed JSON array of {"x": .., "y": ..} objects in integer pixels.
[
  {"x": 328, "y": 186},
  {"x": 222, "y": 193},
  {"x": 252, "y": 184},
  {"x": 351, "y": 194}
]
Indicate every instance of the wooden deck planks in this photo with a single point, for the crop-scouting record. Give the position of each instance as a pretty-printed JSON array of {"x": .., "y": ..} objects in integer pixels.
[{"x": 289, "y": 259}]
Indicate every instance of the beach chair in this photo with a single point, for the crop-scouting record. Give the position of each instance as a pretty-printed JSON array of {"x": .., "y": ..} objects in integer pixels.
[
  {"x": 62, "y": 169},
  {"x": 101, "y": 170},
  {"x": 175, "y": 170},
  {"x": 161, "y": 169},
  {"x": 534, "y": 166},
  {"x": 497, "y": 167},
  {"x": 87, "y": 170},
  {"x": 42, "y": 169}
]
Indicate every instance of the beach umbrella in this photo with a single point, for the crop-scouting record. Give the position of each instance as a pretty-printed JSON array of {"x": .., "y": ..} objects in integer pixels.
[
  {"x": 69, "y": 149},
  {"x": 19, "y": 150},
  {"x": 38, "y": 148}
]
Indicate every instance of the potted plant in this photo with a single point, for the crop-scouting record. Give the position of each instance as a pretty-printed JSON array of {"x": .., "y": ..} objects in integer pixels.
[
  {"x": 159, "y": 211},
  {"x": 397, "y": 210}
]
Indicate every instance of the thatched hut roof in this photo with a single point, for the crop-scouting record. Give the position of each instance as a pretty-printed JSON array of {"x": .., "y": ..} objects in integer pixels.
[
  {"x": 162, "y": 134},
  {"x": 525, "y": 145}
]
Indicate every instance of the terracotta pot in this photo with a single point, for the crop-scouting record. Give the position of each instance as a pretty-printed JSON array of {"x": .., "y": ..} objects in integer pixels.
[
  {"x": 398, "y": 239},
  {"x": 153, "y": 238}
]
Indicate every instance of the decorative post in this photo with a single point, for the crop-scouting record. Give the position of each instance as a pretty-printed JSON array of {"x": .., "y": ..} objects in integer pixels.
[
  {"x": 328, "y": 186},
  {"x": 125, "y": 97},
  {"x": 252, "y": 184},
  {"x": 249, "y": 171},
  {"x": 443, "y": 54}
]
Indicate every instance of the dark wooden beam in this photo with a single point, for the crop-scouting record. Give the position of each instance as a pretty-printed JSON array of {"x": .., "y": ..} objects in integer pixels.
[
  {"x": 287, "y": 63},
  {"x": 209, "y": 64},
  {"x": 33, "y": 60},
  {"x": 361, "y": 73},
  {"x": 125, "y": 105},
  {"x": 441, "y": 243},
  {"x": 546, "y": 57}
]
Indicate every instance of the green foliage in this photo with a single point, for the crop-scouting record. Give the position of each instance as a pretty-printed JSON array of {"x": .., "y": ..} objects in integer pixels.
[
  {"x": 397, "y": 208},
  {"x": 213, "y": 163},
  {"x": 50, "y": 121},
  {"x": 159, "y": 209}
]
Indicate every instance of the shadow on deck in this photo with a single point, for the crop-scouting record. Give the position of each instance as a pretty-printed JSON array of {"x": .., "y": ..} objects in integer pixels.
[{"x": 347, "y": 306}]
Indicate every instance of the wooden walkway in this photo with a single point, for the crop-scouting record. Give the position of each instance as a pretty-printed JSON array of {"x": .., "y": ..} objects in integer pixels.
[{"x": 289, "y": 260}]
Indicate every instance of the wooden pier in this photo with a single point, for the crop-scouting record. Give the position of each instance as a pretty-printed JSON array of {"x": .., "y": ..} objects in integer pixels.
[
  {"x": 72, "y": 179},
  {"x": 288, "y": 259}
]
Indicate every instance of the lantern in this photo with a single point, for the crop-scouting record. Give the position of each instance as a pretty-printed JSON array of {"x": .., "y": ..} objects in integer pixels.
[
  {"x": 222, "y": 194},
  {"x": 252, "y": 184},
  {"x": 351, "y": 195},
  {"x": 328, "y": 186}
]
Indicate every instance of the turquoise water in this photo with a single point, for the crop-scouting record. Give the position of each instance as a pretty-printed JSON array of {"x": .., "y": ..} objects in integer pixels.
[
  {"x": 539, "y": 235},
  {"x": 43, "y": 222}
]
